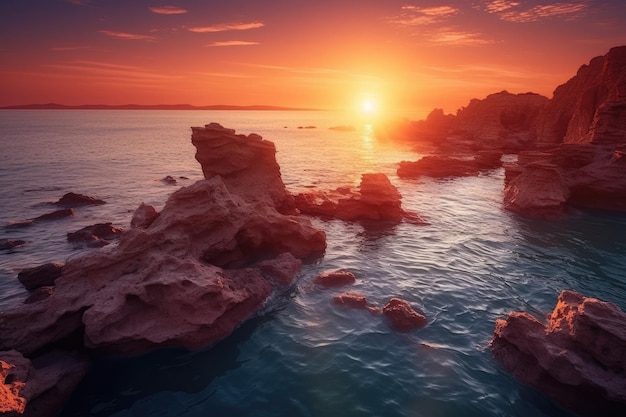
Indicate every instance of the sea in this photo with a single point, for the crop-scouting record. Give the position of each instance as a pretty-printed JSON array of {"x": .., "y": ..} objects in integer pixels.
[{"x": 303, "y": 356}]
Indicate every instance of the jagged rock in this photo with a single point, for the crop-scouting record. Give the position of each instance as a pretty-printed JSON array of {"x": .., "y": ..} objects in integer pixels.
[
  {"x": 586, "y": 123},
  {"x": 439, "y": 166},
  {"x": 334, "y": 278},
  {"x": 247, "y": 165},
  {"x": 169, "y": 180},
  {"x": 143, "y": 216},
  {"x": 40, "y": 276},
  {"x": 96, "y": 235},
  {"x": 161, "y": 286},
  {"x": 376, "y": 200},
  {"x": 578, "y": 358},
  {"x": 76, "y": 200},
  {"x": 39, "y": 387},
  {"x": 55, "y": 215},
  {"x": 6, "y": 244},
  {"x": 402, "y": 316}
]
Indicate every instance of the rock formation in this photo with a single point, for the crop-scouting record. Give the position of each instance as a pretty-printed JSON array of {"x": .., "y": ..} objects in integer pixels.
[
  {"x": 584, "y": 125},
  {"x": 501, "y": 121},
  {"x": 6, "y": 244},
  {"x": 247, "y": 164},
  {"x": 402, "y": 316},
  {"x": 441, "y": 166},
  {"x": 70, "y": 200},
  {"x": 334, "y": 278},
  {"x": 205, "y": 264},
  {"x": 376, "y": 200},
  {"x": 144, "y": 216},
  {"x": 96, "y": 235},
  {"x": 38, "y": 388},
  {"x": 578, "y": 358},
  {"x": 40, "y": 276}
]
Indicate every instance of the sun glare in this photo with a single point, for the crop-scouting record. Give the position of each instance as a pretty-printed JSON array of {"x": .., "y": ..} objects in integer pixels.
[{"x": 369, "y": 106}]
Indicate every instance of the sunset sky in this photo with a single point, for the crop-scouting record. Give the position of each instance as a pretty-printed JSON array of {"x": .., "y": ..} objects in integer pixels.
[{"x": 408, "y": 54}]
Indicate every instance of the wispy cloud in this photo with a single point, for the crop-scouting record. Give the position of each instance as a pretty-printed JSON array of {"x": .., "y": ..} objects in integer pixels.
[
  {"x": 78, "y": 2},
  {"x": 109, "y": 71},
  {"x": 517, "y": 12},
  {"x": 67, "y": 48},
  {"x": 420, "y": 16},
  {"x": 450, "y": 36},
  {"x": 223, "y": 27},
  {"x": 124, "y": 35},
  {"x": 167, "y": 10},
  {"x": 232, "y": 43}
]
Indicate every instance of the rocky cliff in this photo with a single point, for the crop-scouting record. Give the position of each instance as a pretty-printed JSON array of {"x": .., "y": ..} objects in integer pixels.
[{"x": 582, "y": 131}]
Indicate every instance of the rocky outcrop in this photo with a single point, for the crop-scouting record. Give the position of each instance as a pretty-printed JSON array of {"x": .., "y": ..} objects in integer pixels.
[
  {"x": 144, "y": 216},
  {"x": 402, "y": 316},
  {"x": 209, "y": 261},
  {"x": 586, "y": 166},
  {"x": 55, "y": 215},
  {"x": 247, "y": 165},
  {"x": 376, "y": 200},
  {"x": 334, "y": 278},
  {"x": 96, "y": 235},
  {"x": 501, "y": 121},
  {"x": 40, "y": 276},
  {"x": 440, "y": 166},
  {"x": 38, "y": 387},
  {"x": 578, "y": 358},
  {"x": 70, "y": 200}
]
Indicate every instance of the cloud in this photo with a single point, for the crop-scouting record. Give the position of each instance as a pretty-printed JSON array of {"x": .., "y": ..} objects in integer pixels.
[
  {"x": 67, "y": 48},
  {"x": 78, "y": 2},
  {"x": 512, "y": 11},
  {"x": 106, "y": 70},
  {"x": 232, "y": 43},
  {"x": 124, "y": 35},
  {"x": 167, "y": 10},
  {"x": 458, "y": 38},
  {"x": 223, "y": 27},
  {"x": 420, "y": 16}
]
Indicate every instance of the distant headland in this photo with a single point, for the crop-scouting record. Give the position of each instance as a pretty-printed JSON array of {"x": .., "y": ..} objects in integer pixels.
[{"x": 55, "y": 106}]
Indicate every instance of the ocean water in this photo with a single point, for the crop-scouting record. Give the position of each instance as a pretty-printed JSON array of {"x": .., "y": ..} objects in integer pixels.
[{"x": 304, "y": 356}]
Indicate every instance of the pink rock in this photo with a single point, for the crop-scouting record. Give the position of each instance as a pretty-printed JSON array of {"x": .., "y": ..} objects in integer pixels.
[
  {"x": 41, "y": 386},
  {"x": 247, "y": 165},
  {"x": 96, "y": 235},
  {"x": 402, "y": 316},
  {"x": 334, "y": 278},
  {"x": 77, "y": 200},
  {"x": 376, "y": 200},
  {"x": 144, "y": 216},
  {"x": 578, "y": 359},
  {"x": 350, "y": 299}
]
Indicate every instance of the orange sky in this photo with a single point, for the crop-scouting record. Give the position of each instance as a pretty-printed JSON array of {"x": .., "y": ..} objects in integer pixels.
[{"x": 411, "y": 56}]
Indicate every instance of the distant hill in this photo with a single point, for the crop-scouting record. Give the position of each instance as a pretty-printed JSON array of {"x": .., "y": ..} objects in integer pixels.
[{"x": 55, "y": 106}]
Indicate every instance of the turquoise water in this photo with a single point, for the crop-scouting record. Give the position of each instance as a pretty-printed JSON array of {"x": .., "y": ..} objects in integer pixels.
[{"x": 303, "y": 356}]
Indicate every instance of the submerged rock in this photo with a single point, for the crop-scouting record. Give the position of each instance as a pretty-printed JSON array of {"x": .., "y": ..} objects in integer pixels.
[
  {"x": 76, "y": 200},
  {"x": 402, "y": 316},
  {"x": 439, "y": 166},
  {"x": 334, "y": 278},
  {"x": 6, "y": 244},
  {"x": 169, "y": 180},
  {"x": 578, "y": 358}
]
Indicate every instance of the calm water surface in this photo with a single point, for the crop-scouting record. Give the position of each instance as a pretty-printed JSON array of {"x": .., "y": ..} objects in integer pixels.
[{"x": 304, "y": 356}]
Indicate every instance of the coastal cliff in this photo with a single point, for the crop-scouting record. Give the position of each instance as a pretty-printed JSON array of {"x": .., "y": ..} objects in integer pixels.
[{"x": 582, "y": 137}]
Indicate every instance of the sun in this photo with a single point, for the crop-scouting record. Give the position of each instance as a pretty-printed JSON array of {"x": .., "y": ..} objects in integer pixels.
[{"x": 369, "y": 106}]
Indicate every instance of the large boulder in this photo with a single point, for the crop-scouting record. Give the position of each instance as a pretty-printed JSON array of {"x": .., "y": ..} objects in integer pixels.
[
  {"x": 585, "y": 124},
  {"x": 189, "y": 279},
  {"x": 578, "y": 358},
  {"x": 40, "y": 276},
  {"x": 442, "y": 166},
  {"x": 247, "y": 164},
  {"x": 76, "y": 200},
  {"x": 376, "y": 199}
]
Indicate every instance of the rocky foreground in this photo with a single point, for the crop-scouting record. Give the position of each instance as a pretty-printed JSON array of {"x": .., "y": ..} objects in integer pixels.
[
  {"x": 578, "y": 358},
  {"x": 187, "y": 276}
]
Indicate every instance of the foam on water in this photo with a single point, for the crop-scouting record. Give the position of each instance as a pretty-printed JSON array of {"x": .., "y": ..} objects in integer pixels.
[{"x": 305, "y": 356}]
